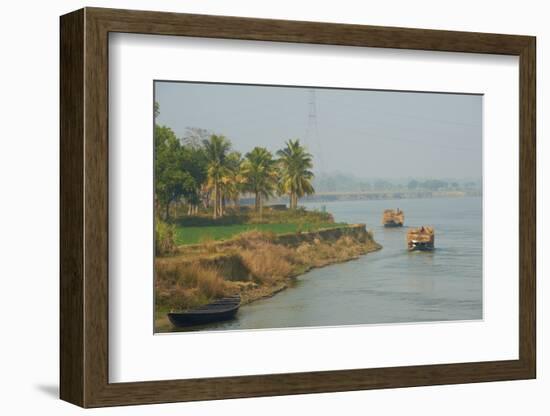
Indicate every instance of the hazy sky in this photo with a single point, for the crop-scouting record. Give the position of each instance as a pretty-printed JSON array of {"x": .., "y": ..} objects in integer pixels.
[{"x": 364, "y": 133}]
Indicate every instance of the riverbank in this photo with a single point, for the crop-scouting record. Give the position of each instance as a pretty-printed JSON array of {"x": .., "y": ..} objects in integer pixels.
[{"x": 253, "y": 264}]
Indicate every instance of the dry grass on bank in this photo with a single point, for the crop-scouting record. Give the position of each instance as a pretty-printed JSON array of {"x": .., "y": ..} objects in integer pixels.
[
  {"x": 185, "y": 285},
  {"x": 269, "y": 263}
]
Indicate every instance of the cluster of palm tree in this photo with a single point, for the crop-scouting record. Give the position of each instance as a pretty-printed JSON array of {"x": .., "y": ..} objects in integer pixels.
[
  {"x": 202, "y": 167},
  {"x": 258, "y": 172}
]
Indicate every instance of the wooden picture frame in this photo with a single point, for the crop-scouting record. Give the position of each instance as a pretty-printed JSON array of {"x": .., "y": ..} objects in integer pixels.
[{"x": 84, "y": 207}]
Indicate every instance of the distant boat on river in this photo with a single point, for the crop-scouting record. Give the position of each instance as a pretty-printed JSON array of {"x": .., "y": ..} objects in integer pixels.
[
  {"x": 220, "y": 310},
  {"x": 393, "y": 218}
]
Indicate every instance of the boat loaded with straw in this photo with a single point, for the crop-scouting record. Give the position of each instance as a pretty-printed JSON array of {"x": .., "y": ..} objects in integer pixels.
[
  {"x": 422, "y": 238},
  {"x": 393, "y": 218}
]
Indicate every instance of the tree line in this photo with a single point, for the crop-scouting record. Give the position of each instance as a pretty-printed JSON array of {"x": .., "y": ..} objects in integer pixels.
[
  {"x": 340, "y": 182},
  {"x": 204, "y": 170}
]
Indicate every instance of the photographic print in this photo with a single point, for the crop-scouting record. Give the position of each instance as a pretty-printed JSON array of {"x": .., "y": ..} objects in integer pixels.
[{"x": 297, "y": 206}]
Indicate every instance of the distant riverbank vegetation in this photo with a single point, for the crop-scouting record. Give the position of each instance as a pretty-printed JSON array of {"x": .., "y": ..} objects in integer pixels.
[{"x": 340, "y": 182}]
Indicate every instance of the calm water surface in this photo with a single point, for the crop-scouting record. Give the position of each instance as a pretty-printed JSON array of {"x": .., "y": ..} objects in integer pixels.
[{"x": 391, "y": 285}]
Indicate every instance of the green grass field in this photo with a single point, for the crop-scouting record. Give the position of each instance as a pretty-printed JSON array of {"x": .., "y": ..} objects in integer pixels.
[{"x": 200, "y": 234}]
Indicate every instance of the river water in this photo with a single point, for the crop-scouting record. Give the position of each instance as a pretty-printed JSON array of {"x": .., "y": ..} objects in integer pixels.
[{"x": 391, "y": 285}]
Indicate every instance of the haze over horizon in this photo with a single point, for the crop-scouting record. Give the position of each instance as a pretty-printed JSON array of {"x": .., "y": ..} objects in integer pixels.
[{"x": 361, "y": 133}]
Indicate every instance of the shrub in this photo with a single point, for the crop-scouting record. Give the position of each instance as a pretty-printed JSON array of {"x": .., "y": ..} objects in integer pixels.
[{"x": 164, "y": 238}]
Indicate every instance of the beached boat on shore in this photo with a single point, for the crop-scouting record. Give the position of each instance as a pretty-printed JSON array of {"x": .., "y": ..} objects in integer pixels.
[
  {"x": 393, "y": 218},
  {"x": 422, "y": 238},
  {"x": 220, "y": 310}
]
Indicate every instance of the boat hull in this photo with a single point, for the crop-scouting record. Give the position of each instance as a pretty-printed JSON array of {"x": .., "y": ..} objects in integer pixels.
[
  {"x": 218, "y": 311},
  {"x": 184, "y": 319},
  {"x": 421, "y": 247}
]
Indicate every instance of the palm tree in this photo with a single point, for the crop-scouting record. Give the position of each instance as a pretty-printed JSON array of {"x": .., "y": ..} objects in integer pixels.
[
  {"x": 296, "y": 176},
  {"x": 234, "y": 181},
  {"x": 260, "y": 172},
  {"x": 216, "y": 149}
]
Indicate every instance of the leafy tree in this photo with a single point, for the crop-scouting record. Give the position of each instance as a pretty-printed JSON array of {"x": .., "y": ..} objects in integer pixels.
[
  {"x": 365, "y": 186},
  {"x": 193, "y": 160},
  {"x": 435, "y": 184},
  {"x": 171, "y": 181},
  {"x": 382, "y": 185},
  {"x": 260, "y": 173},
  {"x": 195, "y": 136},
  {"x": 413, "y": 184},
  {"x": 296, "y": 176}
]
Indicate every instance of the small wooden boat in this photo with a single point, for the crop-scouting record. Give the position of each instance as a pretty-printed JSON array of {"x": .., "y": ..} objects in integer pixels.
[
  {"x": 422, "y": 238},
  {"x": 393, "y": 218},
  {"x": 220, "y": 310}
]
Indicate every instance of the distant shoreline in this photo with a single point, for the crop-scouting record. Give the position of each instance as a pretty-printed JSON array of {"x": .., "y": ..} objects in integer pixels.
[
  {"x": 358, "y": 196},
  {"x": 374, "y": 196}
]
